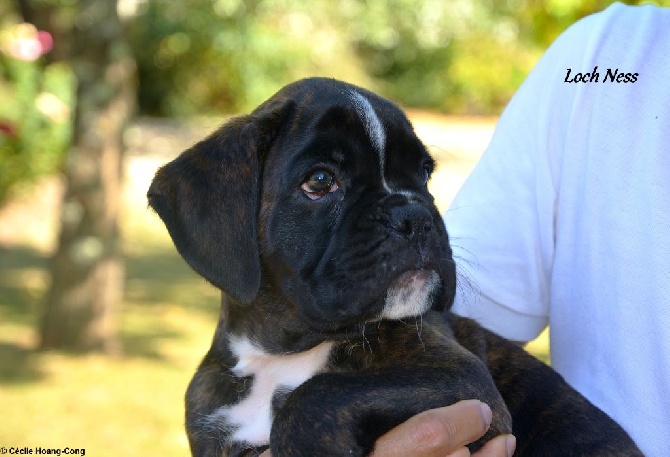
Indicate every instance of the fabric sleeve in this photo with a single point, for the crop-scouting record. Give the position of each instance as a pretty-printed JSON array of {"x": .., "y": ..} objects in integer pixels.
[{"x": 501, "y": 223}]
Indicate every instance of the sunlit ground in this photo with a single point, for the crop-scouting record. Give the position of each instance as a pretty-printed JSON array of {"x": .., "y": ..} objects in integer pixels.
[{"x": 133, "y": 405}]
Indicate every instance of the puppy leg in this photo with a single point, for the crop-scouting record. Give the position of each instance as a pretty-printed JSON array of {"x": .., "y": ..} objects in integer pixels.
[
  {"x": 550, "y": 417},
  {"x": 335, "y": 414}
]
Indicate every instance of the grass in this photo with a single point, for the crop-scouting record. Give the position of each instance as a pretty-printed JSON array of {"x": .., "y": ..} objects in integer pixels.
[
  {"x": 126, "y": 406},
  {"x": 131, "y": 405}
]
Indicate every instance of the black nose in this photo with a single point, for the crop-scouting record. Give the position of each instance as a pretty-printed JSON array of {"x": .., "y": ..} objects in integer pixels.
[{"x": 412, "y": 221}]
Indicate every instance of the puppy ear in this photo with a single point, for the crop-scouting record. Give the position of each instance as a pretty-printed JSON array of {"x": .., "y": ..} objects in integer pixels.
[{"x": 209, "y": 197}]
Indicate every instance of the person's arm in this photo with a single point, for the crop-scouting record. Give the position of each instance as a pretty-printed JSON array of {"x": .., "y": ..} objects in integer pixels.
[{"x": 502, "y": 222}]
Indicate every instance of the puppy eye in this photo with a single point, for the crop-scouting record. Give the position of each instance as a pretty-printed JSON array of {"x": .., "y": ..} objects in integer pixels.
[
  {"x": 319, "y": 184},
  {"x": 427, "y": 171}
]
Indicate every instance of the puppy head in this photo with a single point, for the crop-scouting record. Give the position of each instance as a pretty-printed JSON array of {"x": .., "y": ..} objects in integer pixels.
[{"x": 317, "y": 197}]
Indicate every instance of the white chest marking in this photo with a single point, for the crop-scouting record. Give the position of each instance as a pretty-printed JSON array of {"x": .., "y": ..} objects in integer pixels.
[
  {"x": 374, "y": 129},
  {"x": 252, "y": 416}
]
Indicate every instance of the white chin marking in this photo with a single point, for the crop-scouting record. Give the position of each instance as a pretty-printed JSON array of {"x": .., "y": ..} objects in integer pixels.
[{"x": 410, "y": 294}]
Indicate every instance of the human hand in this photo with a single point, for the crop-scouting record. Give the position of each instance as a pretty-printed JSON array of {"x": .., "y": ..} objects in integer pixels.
[{"x": 443, "y": 432}]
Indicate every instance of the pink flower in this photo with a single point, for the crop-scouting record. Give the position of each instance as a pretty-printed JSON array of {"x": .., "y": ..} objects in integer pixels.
[
  {"x": 25, "y": 42},
  {"x": 46, "y": 40}
]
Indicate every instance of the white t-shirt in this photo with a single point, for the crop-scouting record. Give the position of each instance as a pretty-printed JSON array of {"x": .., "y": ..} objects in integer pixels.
[{"x": 566, "y": 218}]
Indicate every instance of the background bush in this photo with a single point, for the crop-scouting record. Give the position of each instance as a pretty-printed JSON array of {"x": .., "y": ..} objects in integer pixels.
[
  {"x": 457, "y": 56},
  {"x": 35, "y": 106}
]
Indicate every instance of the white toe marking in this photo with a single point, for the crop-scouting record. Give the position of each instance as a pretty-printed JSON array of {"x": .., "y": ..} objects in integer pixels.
[
  {"x": 410, "y": 294},
  {"x": 251, "y": 418},
  {"x": 374, "y": 129}
]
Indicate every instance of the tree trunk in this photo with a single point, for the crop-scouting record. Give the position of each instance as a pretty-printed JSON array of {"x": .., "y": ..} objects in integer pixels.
[{"x": 87, "y": 268}]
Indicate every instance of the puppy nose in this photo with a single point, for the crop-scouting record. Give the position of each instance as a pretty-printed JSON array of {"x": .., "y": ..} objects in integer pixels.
[{"x": 411, "y": 221}]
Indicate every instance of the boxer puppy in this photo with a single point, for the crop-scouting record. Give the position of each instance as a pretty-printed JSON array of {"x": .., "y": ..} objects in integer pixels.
[{"x": 312, "y": 215}]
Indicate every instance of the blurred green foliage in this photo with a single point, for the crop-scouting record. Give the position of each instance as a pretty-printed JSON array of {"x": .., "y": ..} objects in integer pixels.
[
  {"x": 200, "y": 56},
  {"x": 457, "y": 56},
  {"x": 35, "y": 106}
]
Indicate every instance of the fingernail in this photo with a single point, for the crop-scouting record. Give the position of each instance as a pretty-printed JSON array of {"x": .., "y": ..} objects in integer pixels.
[
  {"x": 487, "y": 414},
  {"x": 510, "y": 444}
]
